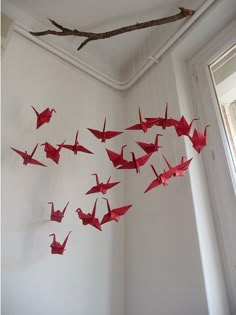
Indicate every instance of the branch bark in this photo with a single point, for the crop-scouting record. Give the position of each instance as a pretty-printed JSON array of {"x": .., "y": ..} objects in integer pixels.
[{"x": 95, "y": 36}]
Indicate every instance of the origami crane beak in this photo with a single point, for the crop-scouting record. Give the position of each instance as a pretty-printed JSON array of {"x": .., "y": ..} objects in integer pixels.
[
  {"x": 53, "y": 110},
  {"x": 52, "y": 235}
]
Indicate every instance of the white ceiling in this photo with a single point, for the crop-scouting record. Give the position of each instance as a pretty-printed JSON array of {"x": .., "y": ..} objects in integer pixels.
[{"x": 119, "y": 56}]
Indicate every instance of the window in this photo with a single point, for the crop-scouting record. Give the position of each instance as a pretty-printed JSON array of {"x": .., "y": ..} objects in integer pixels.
[{"x": 223, "y": 73}]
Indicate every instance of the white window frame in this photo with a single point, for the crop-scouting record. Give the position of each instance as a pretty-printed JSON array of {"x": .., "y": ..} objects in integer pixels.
[{"x": 218, "y": 164}]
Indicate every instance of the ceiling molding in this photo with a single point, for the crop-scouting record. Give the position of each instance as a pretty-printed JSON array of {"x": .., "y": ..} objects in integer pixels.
[{"x": 78, "y": 63}]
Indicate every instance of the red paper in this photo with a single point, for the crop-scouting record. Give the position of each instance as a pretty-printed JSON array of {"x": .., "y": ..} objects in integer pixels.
[
  {"x": 89, "y": 218},
  {"x": 116, "y": 158},
  {"x": 136, "y": 163},
  {"x": 52, "y": 152},
  {"x": 161, "y": 179},
  {"x": 198, "y": 139},
  {"x": 57, "y": 215},
  {"x": 142, "y": 124},
  {"x": 104, "y": 135},
  {"x": 182, "y": 127},
  {"x": 150, "y": 147},
  {"x": 44, "y": 116},
  {"x": 101, "y": 187},
  {"x": 161, "y": 121},
  {"x": 178, "y": 170},
  {"x": 76, "y": 146},
  {"x": 56, "y": 247},
  {"x": 28, "y": 158},
  {"x": 114, "y": 214}
]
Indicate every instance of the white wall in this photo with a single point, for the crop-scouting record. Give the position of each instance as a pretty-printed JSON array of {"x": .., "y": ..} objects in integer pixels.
[
  {"x": 162, "y": 258},
  {"x": 88, "y": 278}
]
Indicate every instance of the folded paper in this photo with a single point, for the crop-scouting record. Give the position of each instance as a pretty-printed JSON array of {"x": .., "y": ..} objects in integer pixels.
[
  {"x": 28, "y": 158},
  {"x": 43, "y": 117}
]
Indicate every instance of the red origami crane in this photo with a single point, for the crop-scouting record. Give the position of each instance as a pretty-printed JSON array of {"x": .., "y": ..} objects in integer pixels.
[
  {"x": 57, "y": 215},
  {"x": 198, "y": 139},
  {"x": 76, "y": 146},
  {"x": 101, "y": 187},
  {"x": 136, "y": 163},
  {"x": 28, "y": 158},
  {"x": 161, "y": 179},
  {"x": 159, "y": 121},
  {"x": 88, "y": 218},
  {"x": 178, "y": 170},
  {"x": 114, "y": 214},
  {"x": 182, "y": 127},
  {"x": 104, "y": 135},
  {"x": 142, "y": 124},
  {"x": 52, "y": 152},
  {"x": 44, "y": 116},
  {"x": 56, "y": 247},
  {"x": 116, "y": 158},
  {"x": 150, "y": 147}
]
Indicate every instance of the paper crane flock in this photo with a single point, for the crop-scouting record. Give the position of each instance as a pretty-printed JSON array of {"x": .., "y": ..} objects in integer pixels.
[{"x": 182, "y": 128}]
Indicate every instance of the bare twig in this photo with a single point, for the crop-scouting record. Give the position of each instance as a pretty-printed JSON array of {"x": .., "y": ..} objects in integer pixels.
[{"x": 95, "y": 36}]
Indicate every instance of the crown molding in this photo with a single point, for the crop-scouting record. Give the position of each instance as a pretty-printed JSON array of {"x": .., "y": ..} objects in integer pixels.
[{"x": 78, "y": 63}]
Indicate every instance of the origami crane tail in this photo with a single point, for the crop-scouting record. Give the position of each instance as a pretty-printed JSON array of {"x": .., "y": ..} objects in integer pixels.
[
  {"x": 104, "y": 126},
  {"x": 170, "y": 167},
  {"x": 166, "y": 110},
  {"x": 140, "y": 116},
  {"x": 64, "y": 210},
  {"x": 108, "y": 205},
  {"x": 52, "y": 207},
  {"x": 76, "y": 137},
  {"x": 154, "y": 170},
  {"x": 97, "y": 180},
  {"x": 65, "y": 241},
  {"x": 35, "y": 111},
  {"x": 134, "y": 161},
  {"x": 33, "y": 151},
  {"x": 108, "y": 181},
  {"x": 94, "y": 208}
]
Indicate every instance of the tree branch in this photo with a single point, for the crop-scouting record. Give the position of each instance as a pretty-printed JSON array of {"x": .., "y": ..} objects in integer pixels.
[{"x": 95, "y": 36}]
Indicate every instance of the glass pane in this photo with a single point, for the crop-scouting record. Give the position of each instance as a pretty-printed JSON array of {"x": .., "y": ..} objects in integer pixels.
[{"x": 223, "y": 72}]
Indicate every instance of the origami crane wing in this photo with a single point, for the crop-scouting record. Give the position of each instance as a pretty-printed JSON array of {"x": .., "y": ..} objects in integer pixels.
[
  {"x": 21, "y": 153},
  {"x": 113, "y": 157},
  {"x": 112, "y": 134},
  {"x": 134, "y": 127},
  {"x": 94, "y": 189},
  {"x": 121, "y": 210},
  {"x": 147, "y": 147},
  {"x": 143, "y": 159},
  {"x": 68, "y": 146},
  {"x": 36, "y": 162},
  {"x": 98, "y": 134},
  {"x": 110, "y": 185},
  {"x": 156, "y": 182},
  {"x": 83, "y": 149}
]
